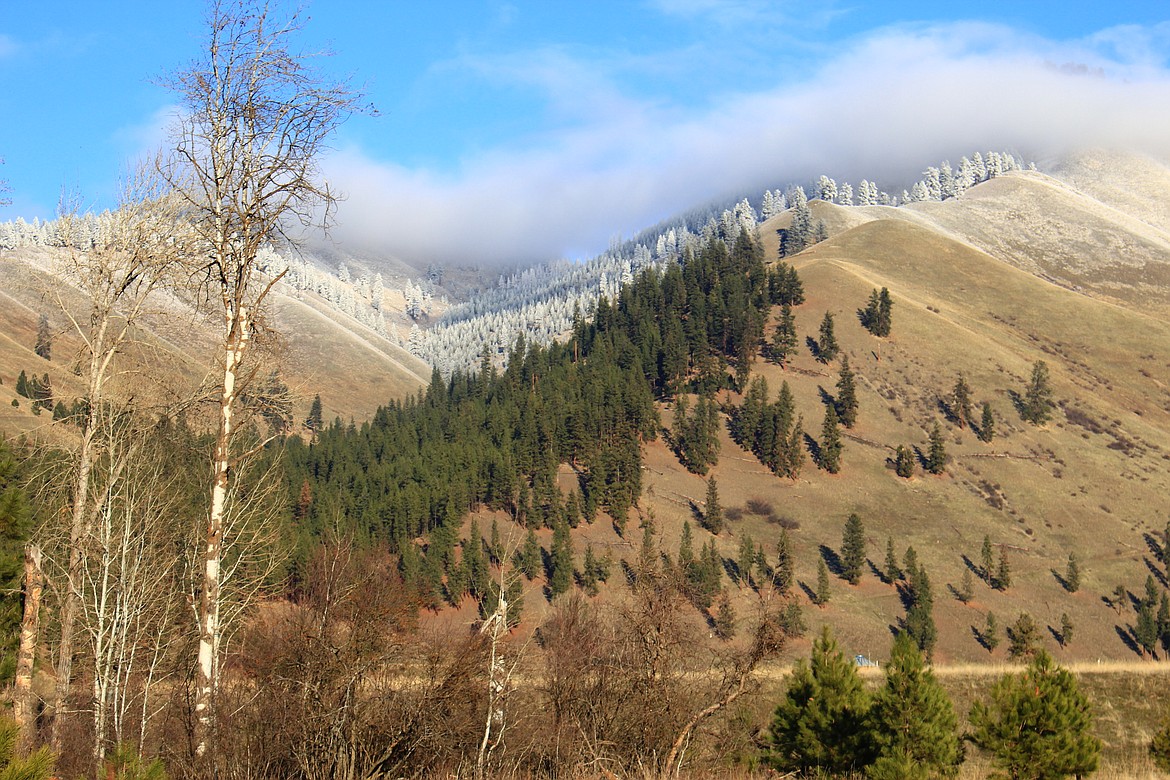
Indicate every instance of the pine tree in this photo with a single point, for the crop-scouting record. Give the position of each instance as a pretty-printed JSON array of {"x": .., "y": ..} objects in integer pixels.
[
  {"x": 1003, "y": 573},
  {"x": 1164, "y": 622},
  {"x": 961, "y": 403},
  {"x": 315, "y": 422},
  {"x": 725, "y": 617},
  {"x": 784, "y": 342},
  {"x": 712, "y": 511},
  {"x": 990, "y": 633},
  {"x": 853, "y": 549},
  {"x": 784, "y": 573},
  {"x": 1023, "y": 637},
  {"x": 829, "y": 457},
  {"x": 528, "y": 557},
  {"x": 893, "y": 571},
  {"x": 1037, "y": 724},
  {"x": 589, "y": 577},
  {"x": 1160, "y": 746},
  {"x": 966, "y": 589},
  {"x": 746, "y": 559},
  {"x": 936, "y": 458},
  {"x": 1036, "y": 404},
  {"x": 1072, "y": 574},
  {"x": 561, "y": 575},
  {"x": 1066, "y": 629},
  {"x": 1146, "y": 629},
  {"x": 13, "y": 766},
  {"x": 686, "y": 549},
  {"x": 44, "y": 344},
  {"x": 846, "y": 401},
  {"x": 885, "y": 314},
  {"x": 821, "y": 722},
  {"x": 920, "y": 623},
  {"x": 987, "y": 424},
  {"x": 22, "y": 387},
  {"x": 822, "y": 594},
  {"x": 827, "y": 347},
  {"x": 904, "y": 462},
  {"x": 913, "y": 718},
  {"x": 987, "y": 559}
]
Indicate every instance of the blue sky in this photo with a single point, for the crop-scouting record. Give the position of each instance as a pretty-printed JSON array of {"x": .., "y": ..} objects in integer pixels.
[{"x": 523, "y": 130}]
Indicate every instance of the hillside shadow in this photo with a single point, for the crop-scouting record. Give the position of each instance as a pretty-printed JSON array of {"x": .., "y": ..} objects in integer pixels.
[
  {"x": 975, "y": 568},
  {"x": 960, "y": 596},
  {"x": 920, "y": 456},
  {"x": 1156, "y": 549},
  {"x": 832, "y": 560},
  {"x": 981, "y": 638},
  {"x": 827, "y": 398},
  {"x": 1126, "y": 635},
  {"x": 814, "y": 449},
  {"x": 814, "y": 348},
  {"x": 1057, "y": 636},
  {"x": 875, "y": 571},
  {"x": 947, "y": 411},
  {"x": 1018, "y": 403},
  {"x": 812, "y": 596},
  {"x": 1155, "y": 571},
  {"x": 1060, "y": 580}
]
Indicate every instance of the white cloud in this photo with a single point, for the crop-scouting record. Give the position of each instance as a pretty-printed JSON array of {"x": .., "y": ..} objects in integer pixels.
[{"x": 888, "y": 105}]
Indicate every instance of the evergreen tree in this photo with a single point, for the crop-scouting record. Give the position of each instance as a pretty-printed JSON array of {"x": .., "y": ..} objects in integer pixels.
[
  {"x": 829, "y": 457},
  {"x": 44, "y": 344},
  {"x": 22, "y": 387},
  {"x": 712, "y": 511},
  {"x": 784, "y": 341},
  {"x": 745, "y": 559},
  {"x": 913, "y": 718},
  {"x": 869, "y": 315},
  {"x": 1146, "y": 629},
  {"x": 315, "y": 422},
  {"x": 827, "y": 347},
  {"x": 1037, "y": 724},
  {"x": 961, "y": 403},
  {"x": 991, "y": 632},
  {"x": 936, "y": 458},
  {"x": 784, "y": 573},
  {"x": 528, "y": 557},
  {"x": 13, "y": 766},
  {"x": 686, "y": 549},
  {"x": 987, "y": 559},
  {"x": 589, "y": 578},
  {"x": 725, "y": 618},
  {"x": 1072, "y": 574},
  {"x": 904, "y": 462},
  {"x": 1003, "y": 573},
  {"x": 1164, "y": 622},
  {"x": 920, "y": 625},
  {"x": 885, "y": 314},
  {"x": 1066, "y": 629},
  {"x": 821, "y": 722},
  {"x": 853, "y": 549},
  {"x": 846, "y": 401},
  {"x": 561, "y": 573},
  {"x": 966, "y": 590},
  {"x": 823, "y": 594},
  {"x": 987, "y": 424},
  {"x": 1160, "y": 746},
  {"x": 1036, "y": 404},
  {"x": 893, "y": 571},
  {"x": 1023, "y": 637}
]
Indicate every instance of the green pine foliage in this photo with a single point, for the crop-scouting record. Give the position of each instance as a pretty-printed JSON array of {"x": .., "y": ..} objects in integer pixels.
[
  {"x": 784, "y": 574},
  {"x": 1072, "y": 573},
  {"x": 904, "y": 462},
  {"x": 986, "y": 424},
  {"x": 827, "y": 347},
  {"x": 913, "y": 718},
  {"x": 987, "y": 559},
  {"x": 829, "y": 457},
  {"x": 712, "y": 510},
  {"x": 725, "y": 618},
  {"x": 919, "y": 622},
  {"x": 876, "y": 316},
  {"x": 771, "y": 431},
  {"x": 936, "y": 456},
  {"x": 15, "y": 518},
  {"x": 784, "y": 285},
  {"x": 1160, "y": 746},
  {"x": 1036, "y": 404},
  {"x": 37, "y": 766},
  {"x": 821, "y": 723},
  {"x": 892, "y": 570},
  {"x": 560, "y": 575},
  {"x": 696, "y": 434},
  {"x": 1023, "y": 637},
  {"x": 784, "y": 341},
  {"x": 823, "y": 594},
  {"x": 1037, "y": 724},
  {"x": 1003, "y": 572},
  {"x": 1066, "y": 629},
  {"x": 853, "y": 549},
  {"x": 990, "y": 633},
  {"x": 961, "y": 403},
  {"x": 846, "y": 401}
]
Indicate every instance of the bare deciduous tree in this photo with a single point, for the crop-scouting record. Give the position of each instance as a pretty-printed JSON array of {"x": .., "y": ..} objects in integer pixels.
[
  {"x": 255, "y": 118},
  {"x": 117, "y": 276}
]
